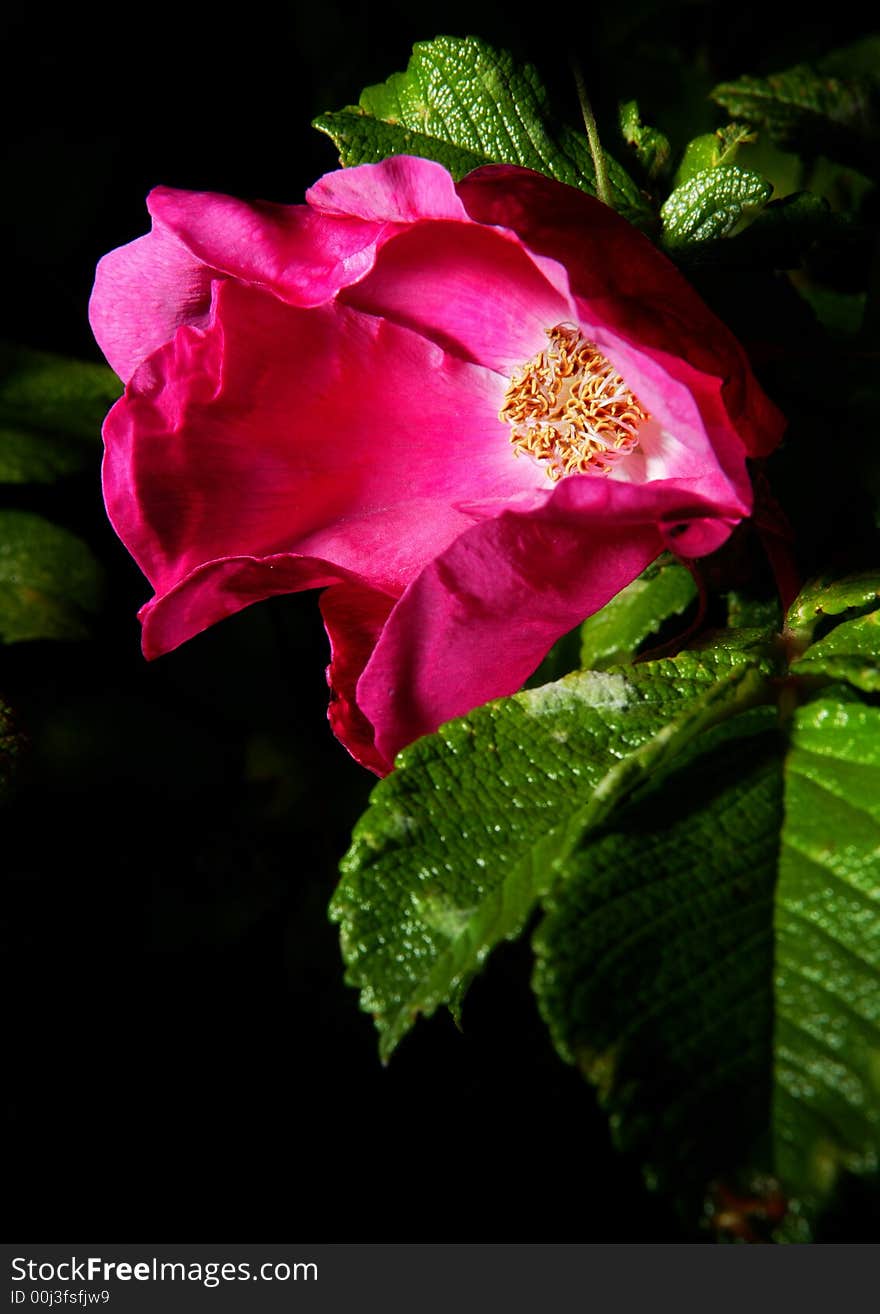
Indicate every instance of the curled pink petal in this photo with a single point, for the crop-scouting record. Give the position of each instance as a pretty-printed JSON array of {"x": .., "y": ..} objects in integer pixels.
[
  {"x": 299, "y": 253},
  {"x": 354, "y": 618},
  {"x": 217, "y": 589},
  {"x": 401, "y": 190},
  {"x": 143, "y": 293},
  {"x": 484, "y": 613}
]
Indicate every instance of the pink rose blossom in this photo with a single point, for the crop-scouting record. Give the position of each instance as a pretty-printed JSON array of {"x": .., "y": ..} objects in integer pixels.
[{"x": 471, "y": 413}]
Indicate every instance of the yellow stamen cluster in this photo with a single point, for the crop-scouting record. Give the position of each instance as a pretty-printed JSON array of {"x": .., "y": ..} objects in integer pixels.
[{"x": 569, "y": 408}]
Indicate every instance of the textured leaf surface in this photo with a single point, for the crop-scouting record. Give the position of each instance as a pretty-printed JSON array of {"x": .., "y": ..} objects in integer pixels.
[
  {"x": 712, "y": 149},
  {"x": 49, "y": 580},
  {"x": 826, "y": 597},
  {"x": 717, "y": 978},
  {"x": 808, "y": 109},
  {"x": 614, "y": 633},
  {"x": 827, "y": 1077},
  {"x": 778, "y": 237},
  {"x": 654, "y": 962},
  {"x": 51, "y": 412},
  {"x": 650, "y": 147},
  {"x": 464, "y": 104},
  {"x": 850, "y": 652},
  {"x": 460, "y": 841},
  {"x": 711, "y": 204}
]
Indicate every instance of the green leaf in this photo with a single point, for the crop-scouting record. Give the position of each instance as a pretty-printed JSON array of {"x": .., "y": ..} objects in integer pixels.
[
  {"x": 654, "y": 962},
  {"x": 850, "y": 652},
  {"x": 826, "y": 597},
  {"x": 779, "y": 237},
  {"x": 826, "y": 1108},
  {"x": 49, "y": 580},
  {"x": 711, "y": 204},
  {"x": 712, "y": 149},
  {"x": 464, "y": 104},
  {"x": 614, "y": 633},
  {"x": 462, "y": 839},
  {"x": 650, "y": 147},
  {"x": 753, "y": 613},
  {"x": 51, "y": 412},
  {"x": 711, "y": 962},
  {"x": 811, "y": 110}
]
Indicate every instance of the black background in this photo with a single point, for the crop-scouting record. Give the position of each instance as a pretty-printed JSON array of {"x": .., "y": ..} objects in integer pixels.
[{"x": 184, "y": 1058}]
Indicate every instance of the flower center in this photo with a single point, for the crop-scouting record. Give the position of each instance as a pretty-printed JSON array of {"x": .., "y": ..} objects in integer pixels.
[{"x": 569, "y": 408}]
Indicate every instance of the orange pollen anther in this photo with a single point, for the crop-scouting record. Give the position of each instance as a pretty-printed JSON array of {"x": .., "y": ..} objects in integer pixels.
[{"x": 569, "y": 408}]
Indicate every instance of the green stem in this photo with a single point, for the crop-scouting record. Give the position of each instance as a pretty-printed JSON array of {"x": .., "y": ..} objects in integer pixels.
[{"x": 603, "y": 187}]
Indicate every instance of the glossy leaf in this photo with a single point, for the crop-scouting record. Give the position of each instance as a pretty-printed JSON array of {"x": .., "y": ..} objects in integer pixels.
[
  {"x": 850, "y": 652},
  {"x": 711, "y": 204},
  {"x": 464, "y": 104},
  {"x": 463, "y": 838},
  {"x": 826, "y": 1110},
  {"x": 654, "y": 963},
  {"x": 778, "y": 237},
  {"x": 614, "y": 633},
  {"x": 718, "y": 980},
  {"x": 827, "y": 597}
]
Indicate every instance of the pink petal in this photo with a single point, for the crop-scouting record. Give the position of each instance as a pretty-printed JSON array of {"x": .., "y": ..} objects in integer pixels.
[
  {"x": 218, "y": 589},
  {"x": 401, "y": 190},
  {"x": 354, "y": 617},
  {"x": 698, "y": 442},
  {"x": 143, "y": 293},
  {"x": 325, "y": 433},
  {"x": 480, "y": 618},
  {"x": 301, "y": 255},
  {"x": 148, "y": 289},
  {"x": 472, "y": 289}
]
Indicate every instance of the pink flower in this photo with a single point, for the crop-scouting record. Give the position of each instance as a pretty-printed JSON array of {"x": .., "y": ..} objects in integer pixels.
[{"x": 472, "y": 413}]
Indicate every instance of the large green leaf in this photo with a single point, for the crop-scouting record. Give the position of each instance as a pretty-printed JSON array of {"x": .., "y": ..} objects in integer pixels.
[
  {"x": 465, "y": 104},
  {"x": 49, "y": 580},
  {"x": 719, "y": 982},
  {"x": 711, "y": 204},
  {"x": 51, "y": 411},
  {"x": 463, "y": 838},
  {"x": 650, "y": 147},
  {"x": 614, "y": 633},
  {"x": 826, "y": 1109},
  {"x": 850, "y": 652},
  {"x": 813, "y": 109},
  {"x": 827, "y": 597},
  {"x": 654, "y": 962}
]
